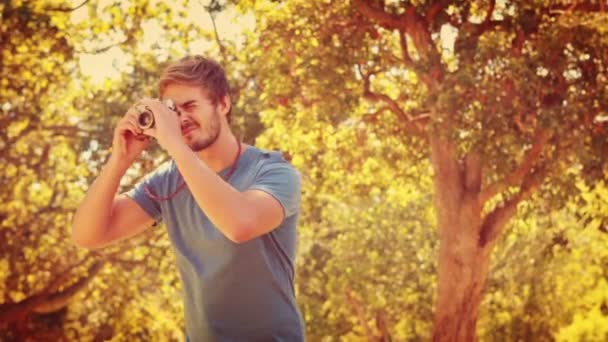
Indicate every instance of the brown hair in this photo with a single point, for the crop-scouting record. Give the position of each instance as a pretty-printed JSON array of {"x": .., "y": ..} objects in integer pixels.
[{"x": 198, "y": 71}]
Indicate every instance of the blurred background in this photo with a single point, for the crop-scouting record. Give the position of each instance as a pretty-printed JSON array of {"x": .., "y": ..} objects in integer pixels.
[{"x": 453, "y": 155}]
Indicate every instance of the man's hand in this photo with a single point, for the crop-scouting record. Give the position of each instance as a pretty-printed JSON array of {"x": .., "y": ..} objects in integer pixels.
[
  {"x": 128, "y": 141},
  {"x": 167, "y": 127}
]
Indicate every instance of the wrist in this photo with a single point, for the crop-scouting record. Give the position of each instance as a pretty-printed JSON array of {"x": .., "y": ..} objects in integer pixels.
[
  {"x": 177, "y": 149},
  {"x": 115, "y": 163}
]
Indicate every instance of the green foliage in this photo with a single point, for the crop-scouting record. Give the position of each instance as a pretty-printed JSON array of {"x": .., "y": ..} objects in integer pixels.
[
  {"x": 368, "y": 239},
  {"x": 57, "y": 129},
  {"x": 339, "y": 94}
]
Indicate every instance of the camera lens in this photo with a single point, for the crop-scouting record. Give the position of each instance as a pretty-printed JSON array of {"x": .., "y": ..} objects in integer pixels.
[{"x": 145, "y": 119}]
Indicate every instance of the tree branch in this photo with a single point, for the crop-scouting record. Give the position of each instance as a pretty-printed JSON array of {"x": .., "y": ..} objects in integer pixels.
[
  {"x": 61, "y": 278},
  {"x": 66, "y": 9},
  {"x": 373, "y": 117},
  {"x": 210, "y": 9},
  {"x": 468, "y": 38},
  {"x": 490, "y": 12},
  {"x": 433, "y": 10},
  {"x": 360, "y": 311},
  {"x": 105, "y": 48},
  {"x": 496, "y": 221},
  {"x": 45, "y": 302},
  {"x": 517, "y": 176},
  {"x": 414, "y": 25},
  {"x": 578, "y": 6},
  {"x": 382, "y": 325},
  {"x": 417, "y": 123},
  {"x": 407, "y": 59},
  {"x": 58, "y": 300},
  {"x": 387, "y": 20}
]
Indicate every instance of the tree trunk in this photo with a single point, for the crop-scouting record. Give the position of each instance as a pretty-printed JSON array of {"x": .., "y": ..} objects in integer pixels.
[
  {"x": 462, "y": 274},
  {"x": 463, "y": 260}
]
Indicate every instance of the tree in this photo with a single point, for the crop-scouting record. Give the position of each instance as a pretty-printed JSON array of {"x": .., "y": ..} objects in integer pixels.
[
  {"x": 56, "y": 130},
  {"x": 504, "y": 97}
]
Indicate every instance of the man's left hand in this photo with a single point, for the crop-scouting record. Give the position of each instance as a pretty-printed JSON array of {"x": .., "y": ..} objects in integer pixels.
[{"x": 167, "y": 128}]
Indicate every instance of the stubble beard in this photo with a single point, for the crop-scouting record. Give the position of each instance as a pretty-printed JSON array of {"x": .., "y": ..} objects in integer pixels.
[{"x": 209, "y": 139}]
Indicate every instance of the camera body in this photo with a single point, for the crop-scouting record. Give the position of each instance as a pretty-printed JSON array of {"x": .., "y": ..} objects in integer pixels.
[{"x": 145, "y": 117}]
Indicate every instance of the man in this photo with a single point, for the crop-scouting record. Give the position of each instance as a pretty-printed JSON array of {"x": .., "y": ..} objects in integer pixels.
[{"x": 230, "y": 209}]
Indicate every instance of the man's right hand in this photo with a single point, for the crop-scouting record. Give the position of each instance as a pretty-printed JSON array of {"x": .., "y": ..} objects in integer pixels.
[{"x": 128, "y": 141}]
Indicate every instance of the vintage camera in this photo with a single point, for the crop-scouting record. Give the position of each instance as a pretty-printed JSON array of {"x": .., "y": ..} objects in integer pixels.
[{"x": 145, "y": 117}]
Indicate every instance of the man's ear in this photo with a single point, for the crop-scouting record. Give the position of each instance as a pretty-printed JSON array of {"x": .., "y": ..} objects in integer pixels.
[{"x": 224, "y": 105}]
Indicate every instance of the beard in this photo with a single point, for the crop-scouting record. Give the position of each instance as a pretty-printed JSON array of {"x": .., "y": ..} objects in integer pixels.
[{"x": 210, "y": 135}]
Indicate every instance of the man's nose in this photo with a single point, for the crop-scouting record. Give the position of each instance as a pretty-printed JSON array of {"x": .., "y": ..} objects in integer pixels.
[{"x": 182, "y": 118}]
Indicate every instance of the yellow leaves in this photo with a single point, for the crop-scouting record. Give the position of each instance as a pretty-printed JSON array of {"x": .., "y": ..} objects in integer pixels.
[
  {"x": 16, "y": 296},
  {"x": 15, "y": 127},
  {"x": 39, "y": 193},
  {"x": 22, "y": 49},
  {"x": 108, "y": 85},
  {"x": 590, "y": 326},
  {"x": 60, "y": 22},
  {"x": 4, "y": 274}
]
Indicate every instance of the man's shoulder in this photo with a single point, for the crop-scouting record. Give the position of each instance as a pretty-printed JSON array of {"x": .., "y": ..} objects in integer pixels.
[{"x": 272, "y": 159}]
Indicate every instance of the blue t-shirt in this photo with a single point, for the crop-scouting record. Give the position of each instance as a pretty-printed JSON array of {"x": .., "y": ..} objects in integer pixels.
[{"x": 233, "y": 292}]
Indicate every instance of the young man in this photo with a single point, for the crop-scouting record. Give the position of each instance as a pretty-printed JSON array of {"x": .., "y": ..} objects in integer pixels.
[{"x": 231, "y": 209}]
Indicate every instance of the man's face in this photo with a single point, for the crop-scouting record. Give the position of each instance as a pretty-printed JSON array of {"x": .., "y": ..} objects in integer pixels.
[{"x": 200, "y": 119}]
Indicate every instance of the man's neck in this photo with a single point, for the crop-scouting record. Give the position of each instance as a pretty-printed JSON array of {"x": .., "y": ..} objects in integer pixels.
[{"x": 222, "y": 153}]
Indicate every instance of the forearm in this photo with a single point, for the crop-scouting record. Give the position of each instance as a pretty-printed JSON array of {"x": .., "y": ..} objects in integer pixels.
[
  {"x": 93, "y": 215},
  {"x": 225, "y": 206}
]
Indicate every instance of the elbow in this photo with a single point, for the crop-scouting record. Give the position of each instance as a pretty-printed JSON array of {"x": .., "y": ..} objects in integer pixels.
[
  {"x": 239, "y": 235},
  {"x": 78, "y": 242},
  {"x": 82, "y": 241},
  {"x": 241, "y": 232}
]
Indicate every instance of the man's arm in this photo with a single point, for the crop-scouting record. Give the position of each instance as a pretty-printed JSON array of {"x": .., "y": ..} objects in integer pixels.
[
  {"x": 240, "y": 216},
  {"x": 103, "y": 217}
]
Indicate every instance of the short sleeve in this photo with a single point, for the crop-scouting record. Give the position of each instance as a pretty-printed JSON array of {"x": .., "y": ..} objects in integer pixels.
[
  {"x": 152, "y": 182},
  {"x": 283, "y": 182}
]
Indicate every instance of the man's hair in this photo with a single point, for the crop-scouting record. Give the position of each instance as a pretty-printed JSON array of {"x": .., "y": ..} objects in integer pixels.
[{"x": 198, "y": 71}]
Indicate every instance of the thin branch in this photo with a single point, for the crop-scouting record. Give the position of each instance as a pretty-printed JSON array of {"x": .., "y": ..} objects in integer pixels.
[
  {"x": 373, "y": 117},
  {"x": 579, "y": 6},
  {"x": 209, "y": 9},
  {"x": 360, "y": 312},
  {"x": 126, "y": 263},
  {"x": 66, "y": 129},
  {"x": 29, "y": 127},
  {"x": 382, "y": 325},
  {"x": 432, "y": 12},
  {"x": 404, "y": 49},
  {"x": 517, "y": 176},
  {"x": 59, "y": 300},
  {"x": 417, "y": 123},
  {"x": 38, "y": 168},
  {"x": 387, "y": 20},
  {"x": 105, "y": 48},
  {"x": 66, "y": 9},
  {"x": 44, "y": 302},
  {"x": 496, "y": 221},
  {"x": 490, "y": 11},
  {"x": 63, "y": 276}
]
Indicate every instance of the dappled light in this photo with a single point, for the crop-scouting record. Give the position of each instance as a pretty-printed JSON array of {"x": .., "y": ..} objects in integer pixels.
[{"x": 453, "y": 155}]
